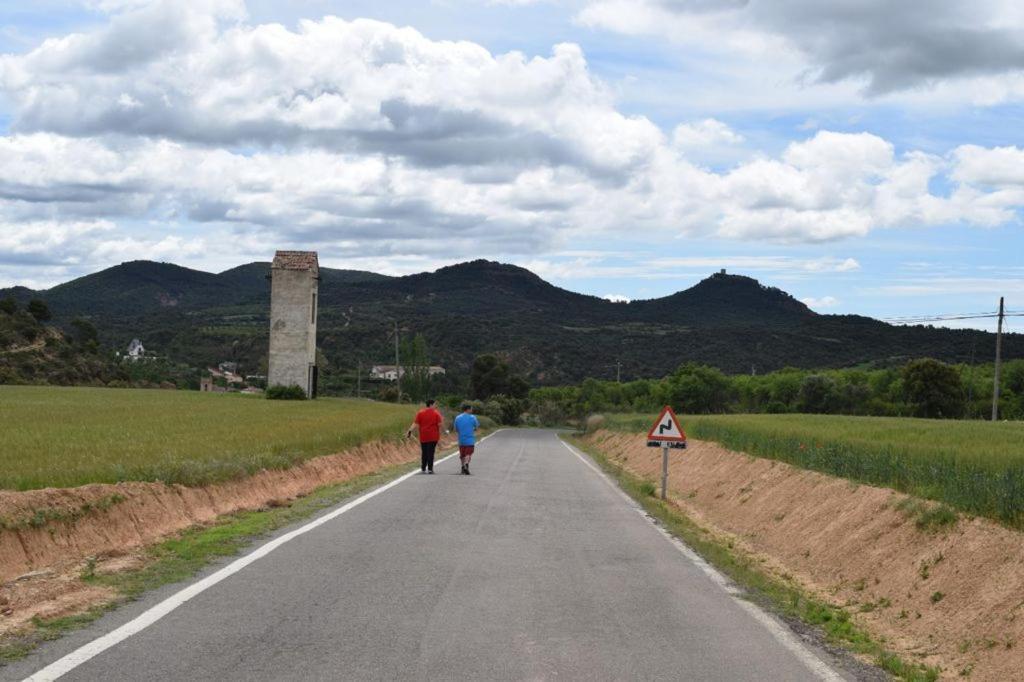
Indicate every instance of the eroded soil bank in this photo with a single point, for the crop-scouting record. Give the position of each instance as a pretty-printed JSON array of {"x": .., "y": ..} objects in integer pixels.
[
  {"x": 951, "y": 596},
  {"x": 47, "y": 535}
]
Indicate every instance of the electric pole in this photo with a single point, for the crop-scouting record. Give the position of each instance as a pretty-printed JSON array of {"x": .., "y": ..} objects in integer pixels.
[
  {"x": 970, "y": 381},
  {"x": 359, "y": 379},
  {"x": 398, "y": 367},
  {"x": 999, "y": 358},
  {"x": 618, "y": 372}
]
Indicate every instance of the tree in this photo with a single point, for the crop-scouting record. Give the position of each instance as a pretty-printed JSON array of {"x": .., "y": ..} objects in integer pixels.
[
  {"x": 817, "y": 394},
  {"x": 698, "y": 389},
  {"x": 508, "y": 410},
  {"x": 8, "y": 305},
  {"x": 518, "y": 387},
  {"x": 39, "y": 310},
  {"x": 85, "y": 333},
  {"x": 593, "y": 397},
  {"x": 489, "y": 376},
  {"x": 416, "y": 365},
  {"x": 934, "y": 389}
]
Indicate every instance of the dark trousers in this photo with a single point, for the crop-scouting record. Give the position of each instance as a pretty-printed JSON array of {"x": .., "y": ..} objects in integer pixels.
[{"x": 427, "y": 455}]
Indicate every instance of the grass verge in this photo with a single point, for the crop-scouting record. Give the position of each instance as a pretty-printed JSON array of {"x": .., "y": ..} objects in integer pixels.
[
  {"x": 182, "y": 556},
  {"x": 790, "y": 601}
]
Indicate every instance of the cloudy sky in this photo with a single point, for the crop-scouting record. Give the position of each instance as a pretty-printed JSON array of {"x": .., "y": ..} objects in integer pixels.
[{"x": 866, "y": 156}]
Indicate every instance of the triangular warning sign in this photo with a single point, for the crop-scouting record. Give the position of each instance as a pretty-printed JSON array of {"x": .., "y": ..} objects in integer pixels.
[{"x": 667, "y": 428}]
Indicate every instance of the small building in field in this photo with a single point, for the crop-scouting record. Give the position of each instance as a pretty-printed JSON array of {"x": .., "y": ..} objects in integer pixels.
[
  {"x": 294, "y": 286},
  {"x": 207, "y": 385}
]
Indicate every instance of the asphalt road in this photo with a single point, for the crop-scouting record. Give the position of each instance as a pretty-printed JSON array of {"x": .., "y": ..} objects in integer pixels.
[{"x": 533, "y": 568}]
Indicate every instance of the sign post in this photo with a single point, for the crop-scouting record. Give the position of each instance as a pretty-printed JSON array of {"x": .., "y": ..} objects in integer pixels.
[
  {"x": 664, "y": 471},
  {"x": 666, "y": 433}
]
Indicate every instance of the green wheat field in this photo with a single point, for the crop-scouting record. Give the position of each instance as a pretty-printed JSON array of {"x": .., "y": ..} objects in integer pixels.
[
  {"x": 62, "y": 437},
  {"x": 974, "y": 466}
]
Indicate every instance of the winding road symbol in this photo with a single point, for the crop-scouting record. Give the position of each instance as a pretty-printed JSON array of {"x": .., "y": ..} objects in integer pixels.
[{"x": 666, "y": 430}]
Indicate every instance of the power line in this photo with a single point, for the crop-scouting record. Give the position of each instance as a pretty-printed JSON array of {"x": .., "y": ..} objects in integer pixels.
[
  {"x": 940, "y": 318},
  {"x": 945, "y": 317}
]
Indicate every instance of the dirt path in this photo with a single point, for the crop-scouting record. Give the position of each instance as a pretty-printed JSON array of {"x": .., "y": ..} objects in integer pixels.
[{"x": 35, "y": 345}]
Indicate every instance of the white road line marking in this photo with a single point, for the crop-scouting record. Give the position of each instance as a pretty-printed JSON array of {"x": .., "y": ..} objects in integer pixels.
[
  {"x": 779, "y": 631},
  {"x": 79, "y": 656}
]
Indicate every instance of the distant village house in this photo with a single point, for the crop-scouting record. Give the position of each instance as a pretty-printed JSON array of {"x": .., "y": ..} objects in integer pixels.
[
  {"x": 392, "y": 373},
  {"x": 221, "y": 380},
  {"x": 136, "y": 351}
]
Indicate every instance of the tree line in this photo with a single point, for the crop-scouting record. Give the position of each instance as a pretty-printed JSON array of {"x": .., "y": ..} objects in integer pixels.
[{"x": 920, "y": 388}]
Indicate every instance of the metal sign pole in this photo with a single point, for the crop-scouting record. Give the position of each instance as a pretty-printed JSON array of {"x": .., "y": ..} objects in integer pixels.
[{"x": 664, "y": 471}]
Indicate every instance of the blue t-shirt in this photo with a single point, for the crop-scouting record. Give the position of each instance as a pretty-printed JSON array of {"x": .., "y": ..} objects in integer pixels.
[{"x": 465, "y": 425}]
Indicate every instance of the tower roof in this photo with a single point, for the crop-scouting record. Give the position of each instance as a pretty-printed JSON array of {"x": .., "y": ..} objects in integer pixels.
[{"x": 297, "y": 260}]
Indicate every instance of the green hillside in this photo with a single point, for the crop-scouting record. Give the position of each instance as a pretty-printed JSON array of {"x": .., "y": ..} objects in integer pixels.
[
  {"x": 33, "y": 352},
  {"x": 551, "y": 335}
]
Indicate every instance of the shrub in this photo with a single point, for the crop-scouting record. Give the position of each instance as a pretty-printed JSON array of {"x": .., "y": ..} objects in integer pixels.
[
  {"x": 509, "y": 410},
  {"x": 549, "y": 413},
  {"x": 486, "y": 423},
  {"x": 8, "y": 305},
  {"x": 292, "y": 392},
  {"x": 593, "y": 423}
]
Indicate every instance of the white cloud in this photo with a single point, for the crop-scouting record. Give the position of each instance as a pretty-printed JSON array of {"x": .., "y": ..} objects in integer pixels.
[
  {"x": 998, "y": 167},
  {"x": 374, "y": 142},
  {"x": 39, "y": 242},
  {"x": 350, "y": 86},
  {"x": 617, "y": 298},
  {"x": 706, "y": 133},
  {"x": 829, "y": 264},
  {"x": 818, "y": 303}
]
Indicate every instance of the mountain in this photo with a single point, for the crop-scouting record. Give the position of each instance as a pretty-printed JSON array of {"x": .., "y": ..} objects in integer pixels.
[
  {"x": 551, "y": 334},
  {"x": 729, "y": 300}
]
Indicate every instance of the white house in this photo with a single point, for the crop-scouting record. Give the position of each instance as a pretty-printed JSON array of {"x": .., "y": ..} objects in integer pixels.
[
  {"x": 391, "y": 373},
  {"x": 136, "y": 350}
]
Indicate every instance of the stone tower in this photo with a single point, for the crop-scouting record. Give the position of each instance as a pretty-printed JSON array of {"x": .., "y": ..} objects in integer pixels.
[{"x": 294, "y": 284}]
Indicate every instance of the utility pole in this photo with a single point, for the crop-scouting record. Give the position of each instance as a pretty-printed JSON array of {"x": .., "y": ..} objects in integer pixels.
[
  {"x": 618, "y": 372},
  {"x": 999, "y": 359},
  {"x": 970, "y": 381},
  {"x": 359, "y": 379},
  {"x": 398, "y": 367}
]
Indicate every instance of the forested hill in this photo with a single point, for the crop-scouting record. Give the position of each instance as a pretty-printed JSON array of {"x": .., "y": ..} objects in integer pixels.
[{"x": 552, "y": 335}]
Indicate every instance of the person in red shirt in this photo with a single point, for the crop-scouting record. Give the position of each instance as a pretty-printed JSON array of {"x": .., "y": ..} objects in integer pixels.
[{"x": 428, "y": 422}]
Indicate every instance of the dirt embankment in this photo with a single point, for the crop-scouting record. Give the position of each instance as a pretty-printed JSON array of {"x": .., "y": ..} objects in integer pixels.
[
  {"x": 951, "y": 597},
  {"x": 46, "y": 535}
]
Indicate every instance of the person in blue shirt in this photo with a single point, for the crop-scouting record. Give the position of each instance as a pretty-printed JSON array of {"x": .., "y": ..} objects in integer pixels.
[{"x": 466, "y": 425}]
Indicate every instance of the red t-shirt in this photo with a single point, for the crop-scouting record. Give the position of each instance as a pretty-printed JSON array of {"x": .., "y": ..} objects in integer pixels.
[{"x": 429, "y": 420}]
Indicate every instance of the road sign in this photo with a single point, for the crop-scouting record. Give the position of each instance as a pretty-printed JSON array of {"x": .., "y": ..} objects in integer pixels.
[{"x": 666, "y": 432}]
